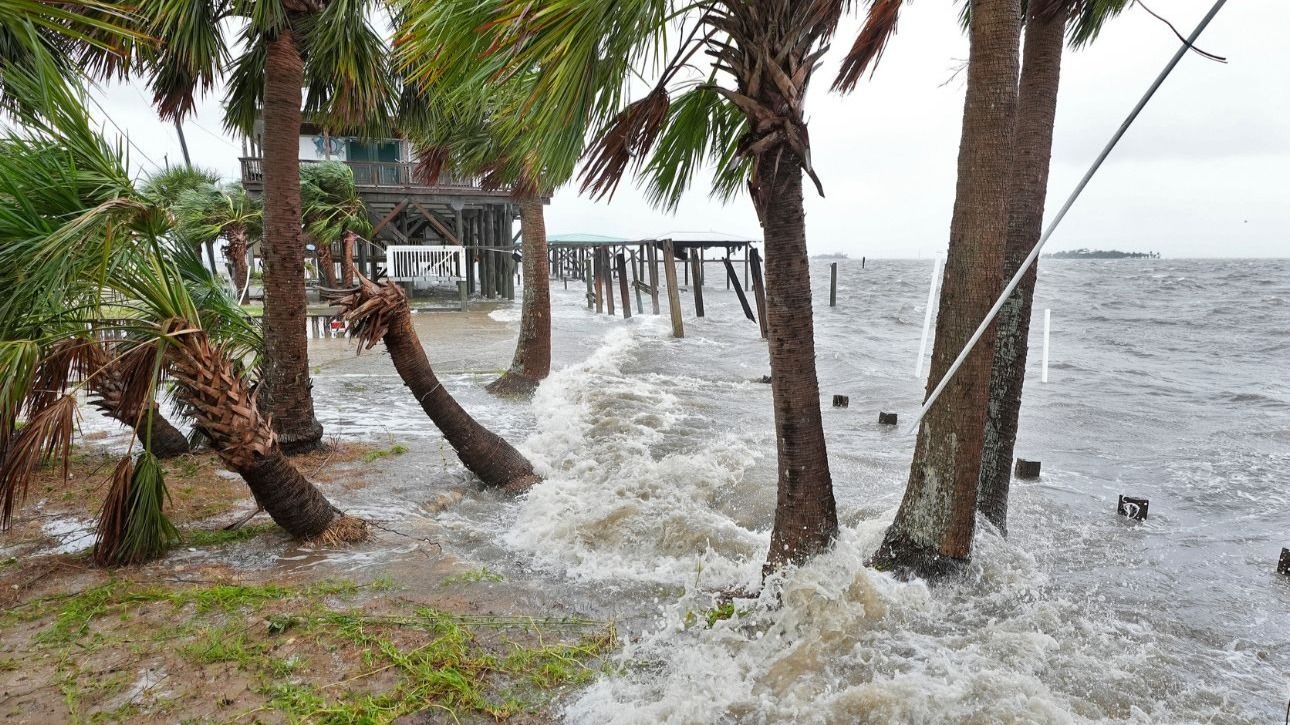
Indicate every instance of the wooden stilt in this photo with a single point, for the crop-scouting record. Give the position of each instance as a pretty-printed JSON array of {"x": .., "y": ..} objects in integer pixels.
[
  {"x": 697, "y": 263},
  {"x": 599, "y": 279},
  {"x": 607, "y": 272},
  {"x": 652, "y": 251},
  {"x": 622, "y": 286},
  {"x": 833, "y": 284},
  {"x": 673, "y": 291},
  {"x": 759, "y": 290},
  {"x": 732, "y": 279}
]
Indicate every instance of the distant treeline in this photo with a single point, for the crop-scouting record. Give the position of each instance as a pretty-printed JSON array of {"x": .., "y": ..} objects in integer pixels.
[{"x": 1102, "y": 254}]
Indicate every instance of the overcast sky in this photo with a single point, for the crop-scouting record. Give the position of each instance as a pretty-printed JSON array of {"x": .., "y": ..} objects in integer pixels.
[{"x": 1205, "y": 171}]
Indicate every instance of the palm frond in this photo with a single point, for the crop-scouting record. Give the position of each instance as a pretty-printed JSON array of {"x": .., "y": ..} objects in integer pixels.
[
  {"x": 133, "y": 527},
  {"x": 866, "y": 51}
]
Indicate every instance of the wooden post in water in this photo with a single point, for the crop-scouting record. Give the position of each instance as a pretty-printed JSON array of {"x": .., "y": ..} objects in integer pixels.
[
  {"x": 461, "y": 294},
  {"x": 697, "y": 264},
  {"x": 759, "y": 290},
  {"x": 636, "y": 282},
  {"x": 622, "y": 286},
  {"x": 732, "y": 279},
  {"x": 607, "y": 272},
  {"x": 598, "y": 275},
  {"x": 833, "y": 284},
  {"x": 673, "y": 291},
  {"x": 653, "y": 276}
]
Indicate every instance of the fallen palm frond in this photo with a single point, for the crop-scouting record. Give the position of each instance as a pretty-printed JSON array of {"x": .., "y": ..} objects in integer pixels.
[{"x": 132, "y": 527}]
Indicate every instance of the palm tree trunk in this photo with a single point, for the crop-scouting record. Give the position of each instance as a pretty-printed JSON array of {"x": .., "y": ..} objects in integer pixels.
[
  {"x": 1036, "y": 112},
  {"x": 347, "y": 270},
  {"x": 226, "y": 409},
  {"x": 108, "y": 394},
  {"x": 806, "y": 520},
  {"x": 326, "y": 264},
  {"x": 380, "y": 312},
  {"x": 532, "y": 362},
  {"x": 237, "y": 259},
  {"x": 933, "y": 529},
  {"x": 286, "y": 385}
]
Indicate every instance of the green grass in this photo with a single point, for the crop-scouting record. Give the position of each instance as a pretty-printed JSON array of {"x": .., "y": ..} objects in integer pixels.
[
  {"x": 474, "y": 576},
  {"x": 397, "y": 449},
  {"x": 220, "y": 537},
  {"x": 407, "y": 660}
]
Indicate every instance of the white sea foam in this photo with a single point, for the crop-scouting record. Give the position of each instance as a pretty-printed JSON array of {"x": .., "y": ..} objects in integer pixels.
[{"x": 621, "y": 500}]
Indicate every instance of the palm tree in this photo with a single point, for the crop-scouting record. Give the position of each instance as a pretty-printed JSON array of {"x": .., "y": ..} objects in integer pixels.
[
  {"x": 745, "y": 113},
  {"x": 1046, "y": 23},
  {"x": 934, "y": 526},
  {"x": 333, "y": 211},
  {"x": 167, "y": 185},
  {"x": 84, "y": 254},
  {"x": 348, "y": 86},
  {"x": 213, "y": 212},
  {"x": 379, "y": 313},
  {"x": 454, "y": 122}
]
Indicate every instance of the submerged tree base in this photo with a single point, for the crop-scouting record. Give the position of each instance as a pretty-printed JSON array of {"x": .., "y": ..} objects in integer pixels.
[
  {"x": 307, "y": 443},
  {"x": 343, "y": 530},
  {"x": 906, "y": 559},
  {"x": 513, "y": 385}
]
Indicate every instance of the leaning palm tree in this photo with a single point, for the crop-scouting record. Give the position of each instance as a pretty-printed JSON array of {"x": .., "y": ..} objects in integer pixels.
[
  {"x": 456, "y": 129},
  {"x": 226, "y": 212},
  {"x": 380, "y": 313},
  {"x": 743, "y": 112},
  {"x": 84, "y": 255},
  {"x": 934, "y": 526},
  {"x": 1047, "y": 22},
  {"x": 330, "y": 49},
  {"x": 333, "y": 212}
]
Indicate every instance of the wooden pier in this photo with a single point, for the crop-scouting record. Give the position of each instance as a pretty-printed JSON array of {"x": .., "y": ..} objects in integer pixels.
[{"x": 597, "y": 262}]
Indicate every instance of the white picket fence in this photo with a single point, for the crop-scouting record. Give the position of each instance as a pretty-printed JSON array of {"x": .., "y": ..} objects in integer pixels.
[{"x": 425, "y": 263}]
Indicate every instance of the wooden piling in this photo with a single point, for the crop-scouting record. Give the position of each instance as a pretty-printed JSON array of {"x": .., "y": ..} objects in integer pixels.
[
  {"x": 598, "y": 276},
  {"x": 607, "y": 273},
  {"x": 732, "y": 280},
  {"x": 759, "y": 290},
  {"x": 622, "y": 286},
  {"x": 1133, "y": 508},
  {"x": 652, "y": 251},
  {"x": 1026, "y": 470},
  {"x": 673, "y": 291},
  {"x": 833, "y": 284},
  {"x": 462, "y": 296},
  {"x": 637, "y": 265},
  {"x": 697, "y": 265}
]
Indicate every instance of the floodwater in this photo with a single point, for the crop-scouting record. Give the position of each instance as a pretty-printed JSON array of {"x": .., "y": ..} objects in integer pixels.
[{"x": 1167, "y": 381}]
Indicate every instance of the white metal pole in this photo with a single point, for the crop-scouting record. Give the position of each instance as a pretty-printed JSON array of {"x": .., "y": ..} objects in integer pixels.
[
  {"x": 1048, "y": 319},
  {"x": 1061, "y": 214},
  {"x": 927, "y": 316}
]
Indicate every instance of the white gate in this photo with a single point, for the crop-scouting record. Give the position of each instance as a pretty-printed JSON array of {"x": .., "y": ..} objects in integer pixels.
[{"x": 426, "y": 263}]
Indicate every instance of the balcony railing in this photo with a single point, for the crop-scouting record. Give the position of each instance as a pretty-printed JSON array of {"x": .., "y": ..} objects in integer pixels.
[{"x": 367, "y": 174}]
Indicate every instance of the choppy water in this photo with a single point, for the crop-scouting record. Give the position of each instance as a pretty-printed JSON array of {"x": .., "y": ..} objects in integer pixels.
[{"x": 1167, "y": 381}]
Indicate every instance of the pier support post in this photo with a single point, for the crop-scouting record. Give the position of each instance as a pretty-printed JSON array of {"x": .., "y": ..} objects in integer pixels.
[
  {"x": 599, "y": 276},
  {"x": 833, "y": 284},
  {"x": 462, "y": 296},
  {"x": 673, "y": 291},
  {"x": 696, "y": 264},
  {"x": 732, "y": 280},
  {"x": 759, "y": 290},
  {"x": 622, "y": 286},
  {"x": 652, "y": 251},
  {"x": 607, "y": 272}
]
